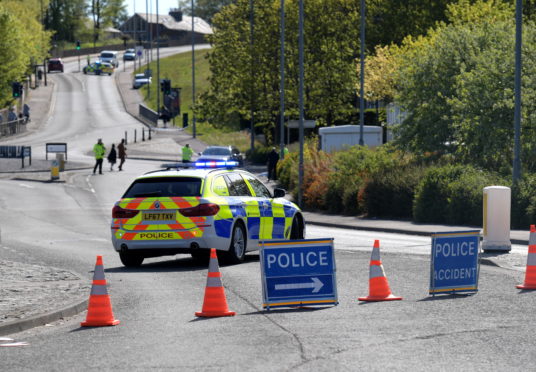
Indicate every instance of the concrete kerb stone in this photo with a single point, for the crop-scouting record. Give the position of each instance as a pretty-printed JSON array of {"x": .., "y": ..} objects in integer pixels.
[{"x": 40, "y": 320}]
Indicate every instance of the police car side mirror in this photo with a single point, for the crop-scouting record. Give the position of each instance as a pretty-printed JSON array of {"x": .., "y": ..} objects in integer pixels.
[{"x": 279, "y": 193}]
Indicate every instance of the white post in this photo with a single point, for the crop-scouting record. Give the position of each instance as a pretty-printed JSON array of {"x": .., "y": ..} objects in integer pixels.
[{"x": 496, "y": 219}]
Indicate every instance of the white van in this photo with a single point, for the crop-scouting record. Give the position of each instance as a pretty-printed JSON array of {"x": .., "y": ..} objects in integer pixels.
[{"x": 109, "y": 56}]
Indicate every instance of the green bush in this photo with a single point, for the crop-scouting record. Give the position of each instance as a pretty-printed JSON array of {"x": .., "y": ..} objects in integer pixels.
[
  {"x": 452, "y": 194},
  {"x": 259, "y": 155},
  {"x": 390, "y": 192},
  {"x": 524, "y": 202}
]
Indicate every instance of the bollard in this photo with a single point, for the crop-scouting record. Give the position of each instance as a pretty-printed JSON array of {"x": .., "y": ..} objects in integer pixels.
[
  {"x": 185, "y": 120},
  {"x": 142, "y": 134},
  {"x": 135, "y": 135},
  {"x": 126, "y": 137},
  {"x": 149, "y": 134},
  {"x": 496, "y": 219},
  {"x": 61, "y": 162},
  {"x": 54, "y": 171}
]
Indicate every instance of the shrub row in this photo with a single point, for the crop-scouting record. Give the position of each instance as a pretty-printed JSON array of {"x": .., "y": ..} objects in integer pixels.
[{"x": 386, "y": 183}]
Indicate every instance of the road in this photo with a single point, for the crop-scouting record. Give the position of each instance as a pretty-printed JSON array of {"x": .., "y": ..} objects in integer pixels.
[{"x": 67, "y": 224}]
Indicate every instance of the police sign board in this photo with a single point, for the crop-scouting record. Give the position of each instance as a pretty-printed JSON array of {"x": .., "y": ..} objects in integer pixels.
[
  {"x": 454, "y": 262},
  {"x": 298, "y": 273}
]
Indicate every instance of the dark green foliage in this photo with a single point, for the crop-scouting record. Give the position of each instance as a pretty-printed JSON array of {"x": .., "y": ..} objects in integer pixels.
[
  {"x": 259, "y": 155},
  {"x": 390, "y": 192},
  {"x": 524, "y": 203},
  {"x": 452, "y": 194}
]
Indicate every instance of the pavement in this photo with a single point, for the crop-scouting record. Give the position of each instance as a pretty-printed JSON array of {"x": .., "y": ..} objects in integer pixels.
[{"x": 21, "y": 299}]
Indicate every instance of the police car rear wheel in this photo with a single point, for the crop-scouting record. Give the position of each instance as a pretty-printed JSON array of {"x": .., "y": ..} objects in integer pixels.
[
  {"x": 130, "y": 259},
  {"x": 296, "y": 232},
  {"x": 237, "y": 249}
]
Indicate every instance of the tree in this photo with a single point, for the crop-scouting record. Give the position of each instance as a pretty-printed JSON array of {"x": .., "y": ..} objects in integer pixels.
[
  {"x": 204, "y": 9},
  {"x": 66, "y": 18},
  {"x": 106, "y": 13},
  {"x": 22, "y": 41},
  {"x": 457, "y": 84},
  {"x": 242, "y": 77}
]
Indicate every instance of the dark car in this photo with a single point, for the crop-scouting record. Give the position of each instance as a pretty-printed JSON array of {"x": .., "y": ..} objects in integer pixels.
[
  {"x": 225, "y": 153},
  {"x": 55, "y": 64}
]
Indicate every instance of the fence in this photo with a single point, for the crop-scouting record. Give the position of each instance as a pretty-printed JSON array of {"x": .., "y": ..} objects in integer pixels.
[{"x": 12, "y": 127}]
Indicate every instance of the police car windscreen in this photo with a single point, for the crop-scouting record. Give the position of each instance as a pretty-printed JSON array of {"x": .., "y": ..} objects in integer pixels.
[{"x": 164, "y": 186}]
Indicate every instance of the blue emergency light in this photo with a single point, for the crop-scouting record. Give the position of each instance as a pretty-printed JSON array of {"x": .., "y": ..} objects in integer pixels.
[{"x": 216, "y": 164}]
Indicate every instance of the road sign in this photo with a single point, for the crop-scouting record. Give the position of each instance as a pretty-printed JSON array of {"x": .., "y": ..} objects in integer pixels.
[
  {"x": 298, "y": 273},
  {"x": 454, "y": 265},
  {"x": 139, "y": 50}
]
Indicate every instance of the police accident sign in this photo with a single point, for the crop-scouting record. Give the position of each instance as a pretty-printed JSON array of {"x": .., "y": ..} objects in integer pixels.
[
  {"x": 298, "y": 273},
  {"x": 454, "y": 264}
]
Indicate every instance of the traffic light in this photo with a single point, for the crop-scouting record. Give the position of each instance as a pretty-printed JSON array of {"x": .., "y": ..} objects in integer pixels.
[
  {"x": 165, "y": 86},
  {"x": 78, "y": 45},
  {"x": 17, "y": 89}
]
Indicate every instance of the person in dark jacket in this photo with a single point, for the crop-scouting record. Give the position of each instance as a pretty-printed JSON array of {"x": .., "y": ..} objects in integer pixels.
[
  {"x": 122, "y": 153},
  {"x": 112, "y": 157},
  {"x": 273, "y": 158}
]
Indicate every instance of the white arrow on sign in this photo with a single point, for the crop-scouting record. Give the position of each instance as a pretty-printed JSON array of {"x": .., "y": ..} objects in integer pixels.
[{"x": 316, "y": 285}]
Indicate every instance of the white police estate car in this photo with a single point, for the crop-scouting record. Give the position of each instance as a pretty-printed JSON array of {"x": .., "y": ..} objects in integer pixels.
[{"x": 175, "y": 210}]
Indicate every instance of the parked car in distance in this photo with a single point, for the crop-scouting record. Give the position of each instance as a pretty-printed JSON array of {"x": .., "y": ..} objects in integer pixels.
[
  {"x": 130, "y": 55},
  {"x": 140, "y": 80},
  {"x": 98, "y": 68},
  {"x": 222, "y": 153},
  {"x": 55, "y": 64}
]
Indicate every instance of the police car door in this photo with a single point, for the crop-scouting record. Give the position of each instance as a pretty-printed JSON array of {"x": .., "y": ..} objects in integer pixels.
[
  {"x": 272, "y": 211},
  {"x": 239, "y": 189}
]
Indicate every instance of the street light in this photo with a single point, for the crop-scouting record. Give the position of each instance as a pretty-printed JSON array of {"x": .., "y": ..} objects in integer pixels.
[
  {"x": 362, "y": 77},
  {"x": 193, "y": 74},
  {"x": 517, "y": 94},
  {"x": 282, "y": 85},
  {"x": 300, "y": 99}
]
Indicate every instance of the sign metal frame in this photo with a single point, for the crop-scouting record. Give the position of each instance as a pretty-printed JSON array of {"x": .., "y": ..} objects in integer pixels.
[
  {"x": 446, "y": 285},
  {"x": 299, "y": 285}
]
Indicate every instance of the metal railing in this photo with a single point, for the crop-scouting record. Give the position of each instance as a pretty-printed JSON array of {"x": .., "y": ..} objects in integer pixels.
[{"x": 12, "y": 127}]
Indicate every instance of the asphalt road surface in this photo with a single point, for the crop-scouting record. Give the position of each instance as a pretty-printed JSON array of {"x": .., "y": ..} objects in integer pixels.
[{"x": 66, "y": 225}]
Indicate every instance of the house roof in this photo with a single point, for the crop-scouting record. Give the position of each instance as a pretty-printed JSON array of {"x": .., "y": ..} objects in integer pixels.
[{"x": 200, "y": 26}]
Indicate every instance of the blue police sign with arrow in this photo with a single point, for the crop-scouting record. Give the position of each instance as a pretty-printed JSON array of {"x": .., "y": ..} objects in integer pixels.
[{"x": 298, "y": 273}]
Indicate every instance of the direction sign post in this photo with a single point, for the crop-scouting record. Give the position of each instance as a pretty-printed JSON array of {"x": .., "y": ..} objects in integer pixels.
[
  {"x": 298, "y": 273},
  {"x": 454, "y": 264}
]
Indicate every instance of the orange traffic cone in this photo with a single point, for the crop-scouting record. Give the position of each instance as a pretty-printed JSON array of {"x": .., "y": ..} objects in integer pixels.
[
  {"x": 99, "y": 310},
  {"x": 215, "y": 303},
  {"x": 530, "y": 272},
  {"x": 378, "y": 286}
]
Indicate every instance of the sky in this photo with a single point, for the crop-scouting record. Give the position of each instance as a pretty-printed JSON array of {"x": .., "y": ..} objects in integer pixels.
[{"x": 140, "y": 6}]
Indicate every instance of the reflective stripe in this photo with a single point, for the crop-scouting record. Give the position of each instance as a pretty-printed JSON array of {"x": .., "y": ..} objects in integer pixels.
[
  {"x": 98, "y": 290},
  {"x": 98, "y": 274},
  {"x": 532, "y": 248},
  {"x": 267, "y": 227},
  {"x": 376, "y": 272},
  {"x": 532, "y": 239},
  {"x": 213, "y": 266},
  {"x": 531, "y": 259},
  {"x": 375, "y": 254},
  {"x": 214, "y": 282}
]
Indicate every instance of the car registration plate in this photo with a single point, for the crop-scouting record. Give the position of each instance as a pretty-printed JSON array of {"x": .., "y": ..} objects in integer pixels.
[{"x": 158, "y": 216}]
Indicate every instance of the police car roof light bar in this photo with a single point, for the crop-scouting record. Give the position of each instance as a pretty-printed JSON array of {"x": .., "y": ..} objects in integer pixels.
[{"x": 229, "y": 164}]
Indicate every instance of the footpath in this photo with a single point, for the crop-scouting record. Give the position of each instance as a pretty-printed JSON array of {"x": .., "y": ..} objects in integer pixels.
[{"x": 24, "y": 287}]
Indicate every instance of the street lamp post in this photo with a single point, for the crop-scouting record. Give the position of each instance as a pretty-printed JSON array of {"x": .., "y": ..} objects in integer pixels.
[
  {"x": 362, "y": 76},
  {"x": 282, "y": 85},
  {"x": 252, "y": 97},
  {"x": 157, "y": 61},
  {"x": 193, "y": 74},
  {"x": 517, "y": 93},
  {"x": 300, "y": 99}
]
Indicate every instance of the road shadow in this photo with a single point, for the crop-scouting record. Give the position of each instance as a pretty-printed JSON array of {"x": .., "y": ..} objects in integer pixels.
[{"x": 449, "y": 296}]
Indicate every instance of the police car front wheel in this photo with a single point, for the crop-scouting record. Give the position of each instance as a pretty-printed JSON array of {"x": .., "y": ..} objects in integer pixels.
[
  {"x": 237, "y": 249},
  {"x": 130, "y": 259}
]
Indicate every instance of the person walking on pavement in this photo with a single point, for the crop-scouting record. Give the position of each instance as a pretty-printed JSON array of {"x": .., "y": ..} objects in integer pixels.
[
  {"x": 12, "y": 120},
  {"x": 99, "y": 150},
  {"x": 122, "y": 153},
  {"x": 273, "y": 158},
  {"x": 112, "y": 156},
  {"x": 26, "y": 112},
  {"x": 187, "y": 153}
]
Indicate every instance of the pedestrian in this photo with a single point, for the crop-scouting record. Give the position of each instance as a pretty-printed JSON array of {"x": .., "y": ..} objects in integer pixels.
[
  {"x": 285, "y": 152},
  {"x": 88, "y": 59},
  {"x": 112, "y": 156},
  {"x": 187, "y": 153},
  {"x": 26, "y": 112},
  {"x": 12, "y": 120},
  {"x": 122, "y": 153},
  {"x": 99, "y": 150},
  {"x": 273, "y": 158}
]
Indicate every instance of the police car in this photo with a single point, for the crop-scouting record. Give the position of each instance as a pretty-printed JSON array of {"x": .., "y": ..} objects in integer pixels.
[
  {"x": 98, "y": 68},
  {"x": 176, "y": 210}
]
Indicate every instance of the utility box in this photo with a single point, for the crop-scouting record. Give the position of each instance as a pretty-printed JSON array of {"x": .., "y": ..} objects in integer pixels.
[
  {"x": 61, "y": 161},
  {"x": 338, "y": 137},
  {"x": 496, "y": 219},
  {"x": 54, "y": 171}
]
